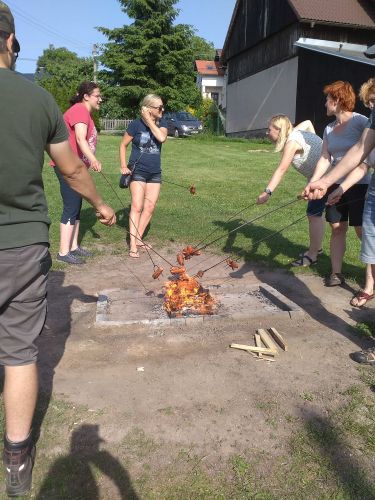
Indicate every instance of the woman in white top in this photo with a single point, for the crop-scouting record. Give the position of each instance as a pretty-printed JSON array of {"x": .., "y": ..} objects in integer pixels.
[{"x": 300, "y": 147}]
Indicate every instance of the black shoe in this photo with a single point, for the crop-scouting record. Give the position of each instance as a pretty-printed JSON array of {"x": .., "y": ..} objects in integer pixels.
[
  {"x": 18, "y": 459},
  {"x": 81, "y": 252},
  {"x": 69, "y": 258}
]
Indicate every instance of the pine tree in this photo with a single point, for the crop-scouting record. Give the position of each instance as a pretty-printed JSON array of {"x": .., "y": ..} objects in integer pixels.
[{"x": 151, "y": 55}]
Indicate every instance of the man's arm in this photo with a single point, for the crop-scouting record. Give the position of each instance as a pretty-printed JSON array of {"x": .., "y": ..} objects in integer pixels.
[
  {"x": 356, "y": 155},
  {"x": 78, "y": 178}
]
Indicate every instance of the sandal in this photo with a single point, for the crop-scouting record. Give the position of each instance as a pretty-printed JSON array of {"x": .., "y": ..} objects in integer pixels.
[
  {"x": 134, "y": 254},
  {"x": 144, "y": 245},
  {"x": 366, "y": 357},
  {"x": 359, "y": 296},
  {"x": 304, "y": 261},
  {"x": 320, "y": 251}
]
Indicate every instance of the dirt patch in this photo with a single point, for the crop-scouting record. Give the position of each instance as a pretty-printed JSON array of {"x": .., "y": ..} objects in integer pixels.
[{"x": 157, "y": 390}]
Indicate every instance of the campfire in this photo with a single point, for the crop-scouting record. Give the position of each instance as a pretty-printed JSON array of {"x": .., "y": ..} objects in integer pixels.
[{"x": 184, "y": 295}]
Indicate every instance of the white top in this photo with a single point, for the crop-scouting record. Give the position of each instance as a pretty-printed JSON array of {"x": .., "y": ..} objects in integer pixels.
[{"x": 311, "y": 145}]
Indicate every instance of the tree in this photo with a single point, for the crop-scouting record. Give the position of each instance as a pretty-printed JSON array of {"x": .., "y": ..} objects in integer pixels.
[
  {"x": 60, "y": 72},
  {"x": 203, "y": 49},
  {"x": 151, "y": 55}
]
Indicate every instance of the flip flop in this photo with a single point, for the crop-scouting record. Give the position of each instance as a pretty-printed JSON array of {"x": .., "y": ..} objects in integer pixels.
[
  {"x": 134, "y": 254},
  {"x": 361, "y": 295},
  {"x": 301, "y": 262}
]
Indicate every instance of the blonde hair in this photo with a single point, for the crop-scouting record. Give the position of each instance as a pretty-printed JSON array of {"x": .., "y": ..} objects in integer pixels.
[
  {"x": 149, "y": 99},
  {"x": 284, "y": 126},
  {"x": 366, "y": 89}
]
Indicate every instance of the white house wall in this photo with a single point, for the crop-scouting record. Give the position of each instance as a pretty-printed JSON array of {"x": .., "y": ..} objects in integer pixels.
[{"x": 252, "y": 101}]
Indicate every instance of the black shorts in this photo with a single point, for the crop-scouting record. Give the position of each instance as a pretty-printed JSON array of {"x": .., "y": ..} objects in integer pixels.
[{"x": 350, "y": 207}]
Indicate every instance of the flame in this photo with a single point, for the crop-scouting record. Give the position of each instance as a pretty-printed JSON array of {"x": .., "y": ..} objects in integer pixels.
[{"x": 184, "y": 295}]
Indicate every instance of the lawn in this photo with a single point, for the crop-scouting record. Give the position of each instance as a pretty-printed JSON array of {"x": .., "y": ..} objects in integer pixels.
[{"x": 228, "y": 175}]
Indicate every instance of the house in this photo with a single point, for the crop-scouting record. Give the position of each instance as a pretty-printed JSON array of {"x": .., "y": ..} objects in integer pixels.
[
  {"x": 279, "y": 54},
  {"x": 210, "y": 78}
]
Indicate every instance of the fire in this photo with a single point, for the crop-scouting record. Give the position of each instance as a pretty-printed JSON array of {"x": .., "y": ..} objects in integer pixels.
[{"x": 184, "y": 295}]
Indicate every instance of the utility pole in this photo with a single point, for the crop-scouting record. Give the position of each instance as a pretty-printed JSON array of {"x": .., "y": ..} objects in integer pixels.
[{"x": 94, "y": 55}]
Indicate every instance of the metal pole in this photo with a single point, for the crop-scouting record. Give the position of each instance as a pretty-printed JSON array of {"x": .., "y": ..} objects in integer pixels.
[{"x": 94, "y": 54}]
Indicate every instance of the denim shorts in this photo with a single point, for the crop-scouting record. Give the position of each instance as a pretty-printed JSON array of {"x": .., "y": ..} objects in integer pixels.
[
  {"x": 368, "y": 226},
  {"x": 147, "y": 177},
  {"x": 316, "y": 207}
]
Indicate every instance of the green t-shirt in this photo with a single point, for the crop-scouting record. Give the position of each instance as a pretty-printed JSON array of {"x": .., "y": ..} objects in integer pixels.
[{"x": 29, "y": 120}]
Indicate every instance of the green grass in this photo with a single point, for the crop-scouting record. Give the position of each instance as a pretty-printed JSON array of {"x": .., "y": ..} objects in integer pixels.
[
  {"x": 228, "y": 177},
  {"x": 365, "y": 329}
]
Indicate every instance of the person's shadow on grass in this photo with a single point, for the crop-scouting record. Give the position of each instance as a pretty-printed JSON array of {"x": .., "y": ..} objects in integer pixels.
[
  {"x": 51, "y": 342},
  {"x": 338, "y": 454},
  {"x": 72, "y": 475}
]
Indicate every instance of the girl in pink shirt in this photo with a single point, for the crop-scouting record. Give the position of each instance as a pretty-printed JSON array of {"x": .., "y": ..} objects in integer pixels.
[{"x": 82, "y": 138}]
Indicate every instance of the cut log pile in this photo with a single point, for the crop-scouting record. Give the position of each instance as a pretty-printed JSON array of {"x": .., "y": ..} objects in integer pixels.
[{"x": 267, "y": 344}]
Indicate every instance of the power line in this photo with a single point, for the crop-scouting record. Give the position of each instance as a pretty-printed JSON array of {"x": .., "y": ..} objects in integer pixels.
[{"x": 25, "y": 16}]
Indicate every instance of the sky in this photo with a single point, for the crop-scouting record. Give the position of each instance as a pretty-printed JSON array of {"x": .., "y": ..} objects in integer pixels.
[{"x": 71, "y": 24}]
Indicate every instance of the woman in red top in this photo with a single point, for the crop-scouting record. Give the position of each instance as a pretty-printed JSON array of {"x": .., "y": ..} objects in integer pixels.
[{"x": 82, "y": 138}]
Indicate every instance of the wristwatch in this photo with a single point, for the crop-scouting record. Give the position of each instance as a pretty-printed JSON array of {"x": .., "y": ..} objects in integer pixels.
[{"x": 268, "y": 191}]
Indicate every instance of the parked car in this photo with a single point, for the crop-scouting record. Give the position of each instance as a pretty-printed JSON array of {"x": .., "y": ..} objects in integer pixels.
[{"x": 182, "y": 124}]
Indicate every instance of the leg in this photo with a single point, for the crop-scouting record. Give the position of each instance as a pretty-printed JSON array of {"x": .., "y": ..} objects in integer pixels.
[
  {"x": 316, "y": 232},
  {"x": 338, "y": 245},
  {"x": 23, "y": 308},
  {"x": 151, "y": 198},
  {"x": 69, "y": 224},
  {"x": 74, "y": 243},
  {"x": 20, "y": 393},
  {"x": 361, "y": 297},
  {"x": 137, "y": 189}
]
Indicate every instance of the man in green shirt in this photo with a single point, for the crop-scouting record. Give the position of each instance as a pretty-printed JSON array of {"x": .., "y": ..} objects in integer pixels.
[{"x": 30, "y": 123}]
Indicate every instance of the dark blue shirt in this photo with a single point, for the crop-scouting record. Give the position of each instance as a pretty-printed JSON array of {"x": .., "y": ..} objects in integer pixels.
[{"x": 145, "y": 143}]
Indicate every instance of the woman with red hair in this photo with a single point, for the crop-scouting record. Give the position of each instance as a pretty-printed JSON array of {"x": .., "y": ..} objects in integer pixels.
[{"x": 339, "y": 136}]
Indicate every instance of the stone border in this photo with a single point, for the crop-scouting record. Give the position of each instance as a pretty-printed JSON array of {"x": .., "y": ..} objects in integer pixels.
[{"x": 286, "y": 306}]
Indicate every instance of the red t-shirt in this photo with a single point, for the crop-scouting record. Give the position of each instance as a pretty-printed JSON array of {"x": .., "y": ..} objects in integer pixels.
[{"x": 78, "y": 113}]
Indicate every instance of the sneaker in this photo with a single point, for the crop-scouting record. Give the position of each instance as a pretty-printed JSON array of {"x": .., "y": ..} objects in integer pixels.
[
  {"x": 69, "y": 258},
  {"x": 81, "y": 252},
  {"x": 335, "y": 279},
  {"x": 18, "y": 459},
  {"x": 366, "y": 357}
]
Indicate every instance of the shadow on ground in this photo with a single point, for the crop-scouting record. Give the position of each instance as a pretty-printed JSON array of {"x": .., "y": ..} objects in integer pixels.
[{"x": 72, "y": 476}]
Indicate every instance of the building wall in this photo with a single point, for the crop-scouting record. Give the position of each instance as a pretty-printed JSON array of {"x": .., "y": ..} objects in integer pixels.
[
  {"x": 315, "y": 70},
  {"x": 251, "y": 101}
]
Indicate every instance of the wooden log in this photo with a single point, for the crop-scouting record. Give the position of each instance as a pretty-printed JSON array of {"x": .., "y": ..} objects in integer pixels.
[
  {"x": 267, "y": 340},
  {"x": 276, "y": 335},
  {"x": 252, "y": 348},
  {"x": 258, "y": 343}
]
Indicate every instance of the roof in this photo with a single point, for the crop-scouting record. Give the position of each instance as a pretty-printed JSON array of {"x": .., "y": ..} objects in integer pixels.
[
  {"x": 348, "y": 12},
  {"x": 356, "y": 13},
  {"x": 209, "y": 68},
  {"x": 349, "y": 51}
]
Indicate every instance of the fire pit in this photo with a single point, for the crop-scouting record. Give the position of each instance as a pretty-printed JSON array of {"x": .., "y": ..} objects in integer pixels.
[
  {"x": 185, "y": 296},
  {"x": 117, "y": 307}
]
